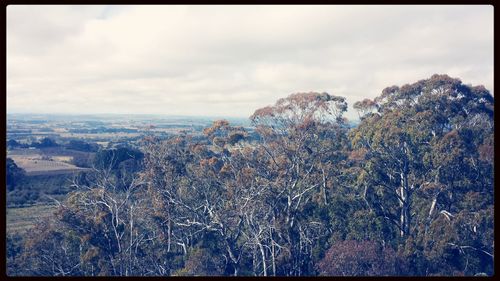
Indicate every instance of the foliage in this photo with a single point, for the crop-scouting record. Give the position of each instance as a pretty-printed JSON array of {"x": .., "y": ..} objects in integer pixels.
[
  {"x": 425, "y": 160},
  {"x": 32, "y": 189},
  {"x": 80, "y": 145},
  {"x": 358, "y": 258},
  {"x": 110, "y": 159},
  {"x": 13, "y": 173},
  {"x": 44, "y": 143}
]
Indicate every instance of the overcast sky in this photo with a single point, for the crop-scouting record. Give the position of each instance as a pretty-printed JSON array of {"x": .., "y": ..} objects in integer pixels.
[{"x": 231, "y": 60}]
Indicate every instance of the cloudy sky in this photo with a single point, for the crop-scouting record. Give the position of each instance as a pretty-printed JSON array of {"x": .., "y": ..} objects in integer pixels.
[{"x": 231, "y": 60}]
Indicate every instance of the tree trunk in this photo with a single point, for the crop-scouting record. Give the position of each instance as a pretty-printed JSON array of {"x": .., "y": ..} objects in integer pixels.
[
  {"x": 234, "y": 261},
  {"x": 431, "y": 211},
  {"x": 404, "y": 203},
  {"x": 273, "y": 253},
  {"x": 324, "y": 187},
  {"x": 263, "y": 254},
  {"x": 169, "y": 233}
]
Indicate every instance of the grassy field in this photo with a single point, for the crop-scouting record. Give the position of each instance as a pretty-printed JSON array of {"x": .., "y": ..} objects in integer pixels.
[
  {"x": 20, "y": 220},
  {"x": 37, "y": 166},
  {"x": 34, "y": 164},
  {"x": 66, "y": 159}
]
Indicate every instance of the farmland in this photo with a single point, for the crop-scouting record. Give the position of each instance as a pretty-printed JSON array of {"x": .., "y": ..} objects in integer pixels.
[
  {"x": 52, "y": 149},
  {"x": 20, "y": 220},
  {"x": 38, "y": 164},
  {"x": 35, "y": 165}
]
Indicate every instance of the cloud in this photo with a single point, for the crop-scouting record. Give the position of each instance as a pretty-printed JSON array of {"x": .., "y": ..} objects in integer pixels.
[{"x": 231, "y": 60}]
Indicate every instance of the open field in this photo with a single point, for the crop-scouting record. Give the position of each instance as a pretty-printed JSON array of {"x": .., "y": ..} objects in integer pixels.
[
  {"x": 37, "y": 154},
  {"x": 35, "y": 165},
  {"x": 20, "y": 220},
  {"x": 57, "y": 172},
  {"x": 66, "y": 159}
]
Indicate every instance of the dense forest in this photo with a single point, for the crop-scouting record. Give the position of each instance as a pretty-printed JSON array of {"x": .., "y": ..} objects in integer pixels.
[{"x": 408, "y": 191}]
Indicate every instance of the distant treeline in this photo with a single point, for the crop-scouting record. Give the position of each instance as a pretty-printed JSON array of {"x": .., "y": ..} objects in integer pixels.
[
  {"x": 47, "y": 142},
  {"x": 102, "y": 130}
]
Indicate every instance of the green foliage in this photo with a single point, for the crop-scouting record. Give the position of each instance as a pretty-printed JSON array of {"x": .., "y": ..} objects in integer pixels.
[
  {"x": 32, "y": 189},
  {"x": 358, "y": 258},
  {"x": 13, "y": 173},
  {"x": 45, "y": 143},
  {"x": 112, "y": 158},
  {"x": 14, "y": 252},
  {"x": 427, "y": 162},
  {"x": 12, "y": 143},
  {"x": 80, "y": 145},
  {"x": 202, "y": 262}
]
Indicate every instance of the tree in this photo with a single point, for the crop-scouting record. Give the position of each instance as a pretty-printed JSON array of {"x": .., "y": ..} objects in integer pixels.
[
  {"x": 98, "y": 229},
  {"x": 13, "y": 174},
  {"x": 51, "y": 250},
  {"x": 46, "y": 142},
  {"x": 421, "y": 152},
  {"x": 12, "y": 143},
  {"x": 358, "y": 258},
  {"x": 302, "y": 138},
  {"x": 83, "y": 160},
  {"x": 121, "y": 163},
  {"x": 201, "y": 262},
  {"x": 110, "y": 159},
  {"x": 82, "y": 146},
  {"x": 364, "y": 107}
]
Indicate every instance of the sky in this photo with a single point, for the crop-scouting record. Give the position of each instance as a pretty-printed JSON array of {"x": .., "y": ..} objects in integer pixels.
[{"x": 232, "y": 60}]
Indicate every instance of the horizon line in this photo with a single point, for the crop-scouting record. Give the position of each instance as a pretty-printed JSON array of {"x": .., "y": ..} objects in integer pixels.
[{"x": 138, "y": 114}]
